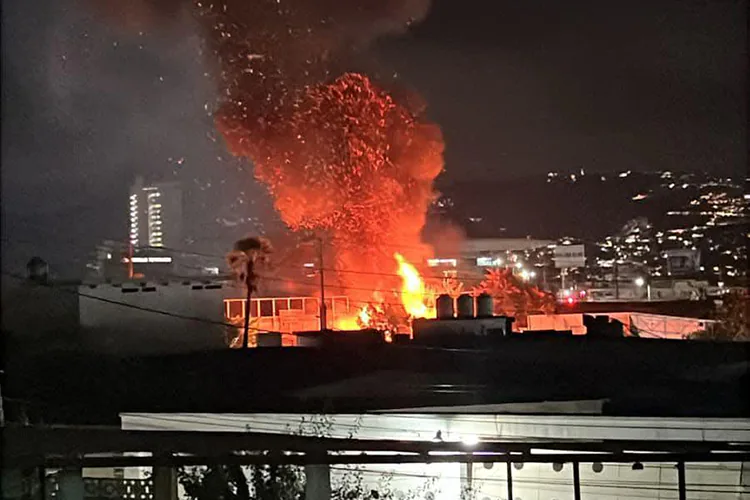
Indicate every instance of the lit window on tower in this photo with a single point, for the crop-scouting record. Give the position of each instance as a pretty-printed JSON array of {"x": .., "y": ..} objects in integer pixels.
[
  {"x": 134, "y": 219},
  {"x": 154, "y": 219}
]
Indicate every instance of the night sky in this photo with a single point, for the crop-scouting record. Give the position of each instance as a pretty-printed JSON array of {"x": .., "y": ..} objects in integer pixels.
[{"x": 519, "y": 88}]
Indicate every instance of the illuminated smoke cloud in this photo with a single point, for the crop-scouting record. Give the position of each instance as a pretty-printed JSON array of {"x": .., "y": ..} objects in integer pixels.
[{"x": 341, "y": 154}]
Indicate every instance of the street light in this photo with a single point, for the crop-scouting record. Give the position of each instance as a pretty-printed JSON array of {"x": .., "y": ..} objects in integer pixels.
[{"x": 639, "y": 282}]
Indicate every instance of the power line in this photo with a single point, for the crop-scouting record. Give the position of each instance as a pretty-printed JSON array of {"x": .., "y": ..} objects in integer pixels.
[
  {"x": 202, "y": 254},
  {"x": 140, "y": 308},
  {"x": 328, "y": 286},
  {"x": 549, "y": 484}
]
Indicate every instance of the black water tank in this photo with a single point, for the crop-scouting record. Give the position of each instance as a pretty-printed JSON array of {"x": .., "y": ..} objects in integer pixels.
[
  {"x": 485, "y": 305},
  {"x": 465, "y": 306},
  {"x": 445, "y": 307}
]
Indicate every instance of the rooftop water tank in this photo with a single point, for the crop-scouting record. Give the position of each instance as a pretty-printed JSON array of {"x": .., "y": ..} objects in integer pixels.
[
  {"x": 445, "y": 306},
  {"x": 465, "y": 306},
  {"x": 485, "y": 305}
]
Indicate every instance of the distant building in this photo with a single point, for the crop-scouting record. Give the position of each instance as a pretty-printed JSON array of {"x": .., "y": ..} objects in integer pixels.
[
  {"x": 114, "y": 261},
  {"x": 476, "y": 247},
  {"x": 107, "y": 262},
  {"x": 474, "y": 256},
  {"x": 155, "y": 214}
]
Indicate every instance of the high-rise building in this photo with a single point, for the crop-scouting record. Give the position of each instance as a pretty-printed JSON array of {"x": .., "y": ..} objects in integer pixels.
[{"x": 155, "y": 213}]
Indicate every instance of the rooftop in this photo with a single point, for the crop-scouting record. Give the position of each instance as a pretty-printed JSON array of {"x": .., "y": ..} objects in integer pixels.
[{"x": 635, "y": 377}]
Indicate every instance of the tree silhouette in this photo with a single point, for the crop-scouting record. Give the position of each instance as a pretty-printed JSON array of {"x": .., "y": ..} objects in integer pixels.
[
  {"x": 229, "y": 482},
  {"x": 251, "y": 250},
  {"x": 733, "y": 320},
  {"x": 513, "y": 297}
]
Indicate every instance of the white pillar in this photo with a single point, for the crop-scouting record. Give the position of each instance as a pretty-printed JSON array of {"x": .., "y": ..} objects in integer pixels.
[
  {"x": 318, "y": 482},
  {"x": 745, "y": 476},
  {"x": 165, "y": 483},
  {"x": 467, "y": 479},
  {"x": 70, "y": 481}
]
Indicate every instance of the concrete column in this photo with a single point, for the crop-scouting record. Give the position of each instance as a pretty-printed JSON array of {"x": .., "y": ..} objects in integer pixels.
[
  {"x": 467, "y": 479},
  {"x": 681, "y": 488},
  {"x": 41, "y": 473},
  {"x": 509, "y": 479},
  {"x": 70, "y": 481},
  {"x": 165, "y": 483},
  {"x": 745, "y": 478},
  {"x": 576, "y": 481},
  {"x": 318, "y": 482}
]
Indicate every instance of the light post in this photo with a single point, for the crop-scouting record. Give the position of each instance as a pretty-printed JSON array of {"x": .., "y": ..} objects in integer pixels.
[
  {"x": 249, "y": 281},
  {"x": 319, "y": 242},
  {"x": 639, "y": 282}
]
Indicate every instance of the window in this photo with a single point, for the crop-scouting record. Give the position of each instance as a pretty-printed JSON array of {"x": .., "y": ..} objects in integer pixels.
[
  {"x": 340, "y": 305},
  {"x": 311, "y": 306},
  {"x": 281, "y": 305},
  {"x": 266, "y": 308}
]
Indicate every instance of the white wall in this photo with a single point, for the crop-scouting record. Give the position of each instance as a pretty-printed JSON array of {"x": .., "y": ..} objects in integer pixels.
[
  {"x": 648, "y": 325},
  {"x": 125, "y": 320}
]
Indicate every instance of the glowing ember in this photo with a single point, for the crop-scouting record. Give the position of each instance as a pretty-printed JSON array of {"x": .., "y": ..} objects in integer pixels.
[{"x": 346, "y": 158}]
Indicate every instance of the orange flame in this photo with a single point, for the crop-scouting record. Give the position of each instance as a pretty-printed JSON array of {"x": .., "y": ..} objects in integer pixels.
[
  {"x": 346, "y": 323},
  {"x": 412, "y": 289},
  {"x": 414, "y": 297},
  {"x": 360, "y": 320}
]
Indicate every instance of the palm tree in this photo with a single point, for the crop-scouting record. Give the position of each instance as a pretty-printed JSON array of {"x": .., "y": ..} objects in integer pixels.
[{"x": 243, "y": 260}]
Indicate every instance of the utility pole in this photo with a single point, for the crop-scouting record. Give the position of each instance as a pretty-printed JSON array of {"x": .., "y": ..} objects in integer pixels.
[
  {"x": 617, "y": 280},
  {"x": 130, "y": 260},
  {"x": 249, "y": 278},
  {"x": 323, "y": 315}
]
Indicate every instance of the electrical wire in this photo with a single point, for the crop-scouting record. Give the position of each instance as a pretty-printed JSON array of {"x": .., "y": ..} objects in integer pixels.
[
  {"x": 549, "y": 484},
  {"x": 142, "y": 308},
  {"x": 222, "y": 257},
  {"x": 272, "y": 425}
]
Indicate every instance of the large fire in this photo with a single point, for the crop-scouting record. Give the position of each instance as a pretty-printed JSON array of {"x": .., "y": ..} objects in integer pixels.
[
  {"x": 413, "y": 296},
  {"x": 349, "y": 163},
  {"x": 344, "y": 157}
]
